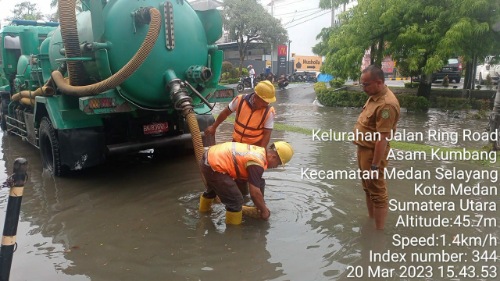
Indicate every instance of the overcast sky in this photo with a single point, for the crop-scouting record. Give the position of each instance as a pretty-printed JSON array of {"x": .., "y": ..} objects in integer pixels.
[{"x": 302, "y": 19}]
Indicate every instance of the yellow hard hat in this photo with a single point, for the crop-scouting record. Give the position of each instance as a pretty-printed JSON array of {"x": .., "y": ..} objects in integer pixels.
[
  {"x": 285, "y": 151},
  {"x": 265, "y": 90}
]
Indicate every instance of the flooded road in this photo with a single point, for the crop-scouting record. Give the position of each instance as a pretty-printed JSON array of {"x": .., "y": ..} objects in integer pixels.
[{"x": 137, "y": 218}]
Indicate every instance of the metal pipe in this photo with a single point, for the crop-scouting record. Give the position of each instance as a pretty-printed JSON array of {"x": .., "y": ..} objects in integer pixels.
[
  {"x": 16, "y": 182},
  {"x": 141, "y": 145}
]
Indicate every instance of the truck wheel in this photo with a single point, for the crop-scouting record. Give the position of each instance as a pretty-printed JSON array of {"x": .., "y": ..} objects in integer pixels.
[{"x": 49, "y": 148}]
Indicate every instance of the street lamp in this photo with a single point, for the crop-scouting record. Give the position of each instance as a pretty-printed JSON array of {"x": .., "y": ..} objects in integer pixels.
[{"x": 288, "y": 58}]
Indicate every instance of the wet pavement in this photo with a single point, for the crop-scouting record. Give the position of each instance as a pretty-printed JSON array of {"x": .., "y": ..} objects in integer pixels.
[{"x": 137, "y": 218}]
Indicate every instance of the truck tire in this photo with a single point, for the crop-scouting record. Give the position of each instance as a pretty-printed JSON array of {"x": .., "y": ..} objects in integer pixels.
[{"x": 49, "y": 148}]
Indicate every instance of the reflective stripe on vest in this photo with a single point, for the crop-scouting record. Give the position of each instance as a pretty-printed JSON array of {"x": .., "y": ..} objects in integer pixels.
[
  {"x": 232, "y": 158},
  {"x": 249, "y": 123}
]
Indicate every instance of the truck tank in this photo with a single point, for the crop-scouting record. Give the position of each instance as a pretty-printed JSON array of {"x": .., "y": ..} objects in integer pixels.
[{"x": 119, "y": 77}]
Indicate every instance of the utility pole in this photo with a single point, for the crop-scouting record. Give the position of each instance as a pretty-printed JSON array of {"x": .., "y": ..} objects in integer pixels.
[
  {"x": 272, "y": 43},
  {"x": 494, "y": 120},
  {"x": 333, "y": 14}
]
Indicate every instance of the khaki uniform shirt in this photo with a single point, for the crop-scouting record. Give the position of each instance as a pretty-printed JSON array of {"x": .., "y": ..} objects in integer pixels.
[{"x": 380, "y": 114}]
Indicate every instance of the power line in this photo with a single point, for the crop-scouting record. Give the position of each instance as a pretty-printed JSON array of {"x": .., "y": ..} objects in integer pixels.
[
  {"x": 302, "y": 11},
  {"x": 288, "y": 3},
  {"x": 327, "y": 12},
  {"x": 312, "y": 14}
]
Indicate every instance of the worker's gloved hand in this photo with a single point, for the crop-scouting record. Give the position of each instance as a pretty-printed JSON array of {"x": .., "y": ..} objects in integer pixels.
[{"x": 265, "y": 215}]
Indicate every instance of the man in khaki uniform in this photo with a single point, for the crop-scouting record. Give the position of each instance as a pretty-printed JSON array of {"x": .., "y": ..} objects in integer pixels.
[{"x": 377, "y": 120}]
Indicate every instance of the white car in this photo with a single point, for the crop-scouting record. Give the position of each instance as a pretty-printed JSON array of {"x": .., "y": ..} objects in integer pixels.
[{"x": 483, "y": 70}]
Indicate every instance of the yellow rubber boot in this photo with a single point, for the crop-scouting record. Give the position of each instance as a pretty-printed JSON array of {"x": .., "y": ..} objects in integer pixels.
[
  {"x": 252, "y": 212},
  {"x": 233, "y": 218},
  {"x": 205, "y": 204}
]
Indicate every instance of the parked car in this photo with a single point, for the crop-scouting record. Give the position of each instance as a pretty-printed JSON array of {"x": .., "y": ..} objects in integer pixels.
[
  {"x": 491, "y": 68},
  {"x": 453, "y": 70}
]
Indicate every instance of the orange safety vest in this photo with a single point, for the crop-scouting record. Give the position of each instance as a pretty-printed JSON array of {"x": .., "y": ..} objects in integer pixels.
[
  {"x": 232, "y": 158},
  {"x": 249, "y": 123}
]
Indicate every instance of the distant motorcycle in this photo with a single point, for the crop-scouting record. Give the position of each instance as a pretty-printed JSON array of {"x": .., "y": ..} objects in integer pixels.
[{"x": 245, "y": 82}]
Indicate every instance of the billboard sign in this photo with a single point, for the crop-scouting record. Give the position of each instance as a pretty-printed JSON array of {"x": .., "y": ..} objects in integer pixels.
[
  {"x": 282, "y": 59},
  {"x": 308, "y": 63}
]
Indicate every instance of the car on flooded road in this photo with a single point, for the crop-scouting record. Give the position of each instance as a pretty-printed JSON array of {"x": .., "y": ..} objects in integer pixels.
[{"x": 453, "y": 70}]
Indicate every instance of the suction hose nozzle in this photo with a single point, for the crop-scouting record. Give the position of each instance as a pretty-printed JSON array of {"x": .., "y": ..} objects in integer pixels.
[
  {"x": 184, "y": 103},
  {"x": 180, "y": 97}
]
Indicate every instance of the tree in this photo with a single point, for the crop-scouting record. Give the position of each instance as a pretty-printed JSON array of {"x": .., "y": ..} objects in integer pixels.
[
  {"x": 322, "y": 48},
  {"x": 54, "y": 4},
  {"x": 247, "y": 22},
  {"x": 419, "y": 34},
  {"x": 362, "y": 29},
  {"x": 26, "y": 11},
  {"x": 331, "y": 4},
  {"x": 438, "y": 30}
]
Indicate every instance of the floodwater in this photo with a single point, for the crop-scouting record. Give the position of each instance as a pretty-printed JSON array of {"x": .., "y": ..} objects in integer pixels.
[{"x": 137, "y": 219}]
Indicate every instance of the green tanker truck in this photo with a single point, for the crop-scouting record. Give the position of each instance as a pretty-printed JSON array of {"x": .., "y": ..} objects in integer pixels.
[{"x": 121, "y": 76}]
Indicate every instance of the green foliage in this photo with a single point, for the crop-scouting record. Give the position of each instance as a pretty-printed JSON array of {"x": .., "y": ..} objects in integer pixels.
[
  {"x": 229, "y": 72},
  {"x": 342, "y": 98},
  {"x": 247, "y": 21},
  {"x": 328, "y": 4},
  {"x": 227, "y": 66},
  {"x": 322, "y": 47},
  {"x": 419, "y": 35},
  {"x": 444, "y": 100},
  {"x": 411, "y": 85},
  {"x": 413, "y": 103},
  {"x": 330, "y": 97},
  {"x": 319, "y": 86},
  {"x": 452, "y": 104},
  {"x": 26, "y": 11},
  {"x": 230, "y": 80},
  {"x": 337, "y": 82}
]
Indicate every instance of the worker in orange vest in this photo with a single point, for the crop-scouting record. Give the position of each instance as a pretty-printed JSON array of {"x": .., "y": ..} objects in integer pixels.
[
  {"x": 223, "y": 164},
  {"x": 254, "y": 119}
]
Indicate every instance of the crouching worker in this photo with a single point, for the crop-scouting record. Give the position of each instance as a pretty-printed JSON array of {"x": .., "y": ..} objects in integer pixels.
[{"x": 224, "y": 163}]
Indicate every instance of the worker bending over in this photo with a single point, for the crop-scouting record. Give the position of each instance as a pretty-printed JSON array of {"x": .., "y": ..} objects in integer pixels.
[{"x": 223, "y": 164}]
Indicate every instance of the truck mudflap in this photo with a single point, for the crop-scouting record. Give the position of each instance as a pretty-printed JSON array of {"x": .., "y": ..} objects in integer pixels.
[{"x": 82, "y": 148}]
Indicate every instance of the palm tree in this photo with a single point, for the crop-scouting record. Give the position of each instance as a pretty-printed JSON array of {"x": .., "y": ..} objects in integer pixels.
[{"x": 53, "y": 4}]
